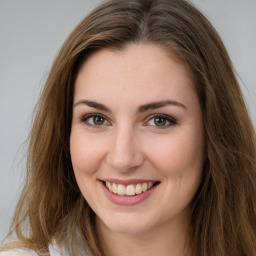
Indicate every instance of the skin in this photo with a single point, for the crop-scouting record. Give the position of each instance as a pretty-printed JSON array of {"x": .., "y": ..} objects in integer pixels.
[{"x": 129, "y": 144}]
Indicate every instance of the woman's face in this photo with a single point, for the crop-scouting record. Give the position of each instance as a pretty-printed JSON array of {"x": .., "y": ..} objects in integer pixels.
[{"x": 137, "y": 140}]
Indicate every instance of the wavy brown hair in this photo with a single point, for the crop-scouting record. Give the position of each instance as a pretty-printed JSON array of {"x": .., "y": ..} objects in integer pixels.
[{"x": 224, "y": 208}]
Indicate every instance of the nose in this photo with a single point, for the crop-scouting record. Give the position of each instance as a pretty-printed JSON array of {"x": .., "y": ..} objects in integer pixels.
[{"x": 125, "y": 153}]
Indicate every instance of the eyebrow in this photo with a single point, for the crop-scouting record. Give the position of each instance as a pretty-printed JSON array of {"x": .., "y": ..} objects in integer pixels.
[
  {"x": 92, "y": 104},
  {"x": 155, "y": 105},
  {"x": 142, "y": 108}
]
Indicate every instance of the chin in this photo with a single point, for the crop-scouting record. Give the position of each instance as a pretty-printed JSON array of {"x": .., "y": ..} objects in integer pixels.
[{"x": 127, "y": 225}]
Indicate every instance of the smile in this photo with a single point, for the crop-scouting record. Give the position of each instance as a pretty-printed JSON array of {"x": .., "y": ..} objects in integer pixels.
[{"x": 130, "y": 189}]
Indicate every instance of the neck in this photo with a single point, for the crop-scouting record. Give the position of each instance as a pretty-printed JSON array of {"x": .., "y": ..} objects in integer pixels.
[{"x": 161, "y": 241}]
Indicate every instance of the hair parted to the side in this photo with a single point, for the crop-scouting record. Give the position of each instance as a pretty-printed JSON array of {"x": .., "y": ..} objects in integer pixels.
[{"x": 223, "y": 210}]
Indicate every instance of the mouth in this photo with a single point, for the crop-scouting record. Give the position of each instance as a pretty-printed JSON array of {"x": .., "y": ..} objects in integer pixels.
[{"x": 129, "y": 190}]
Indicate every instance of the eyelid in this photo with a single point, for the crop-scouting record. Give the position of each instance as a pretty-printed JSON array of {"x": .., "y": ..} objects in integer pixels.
[
  {"x": 171, "y": 120},
  {"x": 85, "y": 118}
]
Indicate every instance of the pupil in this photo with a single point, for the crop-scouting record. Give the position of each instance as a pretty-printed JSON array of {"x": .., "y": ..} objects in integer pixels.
[
  {"x": 98, "y": 120},
  {"x": 160, "y": 121}
]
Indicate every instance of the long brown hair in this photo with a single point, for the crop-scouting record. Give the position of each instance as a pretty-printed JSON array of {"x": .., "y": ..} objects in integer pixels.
[{"x": 224, "y": 208}]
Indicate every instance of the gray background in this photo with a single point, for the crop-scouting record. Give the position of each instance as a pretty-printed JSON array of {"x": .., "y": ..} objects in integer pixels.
[{"x": 32, "y": 31}]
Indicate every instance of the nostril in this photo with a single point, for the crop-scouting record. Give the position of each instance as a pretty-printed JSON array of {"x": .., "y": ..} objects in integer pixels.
[{"x": 125, "y": 161}]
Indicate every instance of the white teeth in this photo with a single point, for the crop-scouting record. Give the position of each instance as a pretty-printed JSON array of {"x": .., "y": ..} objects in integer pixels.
[
  {"x": 114, "y": 188},
  {"x": 144, "y": 187},
  {"x": 120, "y": 190},
  {"x": 109, "y": 186},
  {"x": 129, "y": 190},
  {"x": 138, "y": 189}
]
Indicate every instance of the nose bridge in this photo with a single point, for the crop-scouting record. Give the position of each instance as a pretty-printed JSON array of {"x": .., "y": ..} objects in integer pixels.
[{"x": 125, "y": 153}]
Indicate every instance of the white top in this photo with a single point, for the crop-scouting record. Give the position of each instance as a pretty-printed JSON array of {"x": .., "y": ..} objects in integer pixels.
[
  {"x": 18, "y": 252},
  {"x": 54, "y": 251}
]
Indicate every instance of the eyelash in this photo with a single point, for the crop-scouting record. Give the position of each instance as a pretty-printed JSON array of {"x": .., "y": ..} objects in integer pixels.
[
  {"x": 171, "y": 121},
  {"x": 167, "y": 119},
  {"x": 85, "y": 119}
]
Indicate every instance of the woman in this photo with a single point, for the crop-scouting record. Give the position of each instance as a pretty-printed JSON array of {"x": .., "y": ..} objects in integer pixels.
[{"x": 141, "y": 144}]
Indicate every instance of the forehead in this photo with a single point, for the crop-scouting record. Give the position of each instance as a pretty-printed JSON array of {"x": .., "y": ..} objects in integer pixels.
[{"x": 144, "y": 70}]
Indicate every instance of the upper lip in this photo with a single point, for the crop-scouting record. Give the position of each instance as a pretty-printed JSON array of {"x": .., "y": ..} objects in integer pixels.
[{"x": 128, "y": 181}]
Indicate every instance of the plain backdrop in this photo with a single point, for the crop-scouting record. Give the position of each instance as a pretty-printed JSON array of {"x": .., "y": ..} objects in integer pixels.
[{"x": 31, "y": 33}]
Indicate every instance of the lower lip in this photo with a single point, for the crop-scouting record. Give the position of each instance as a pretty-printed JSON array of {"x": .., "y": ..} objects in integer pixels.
[{"x": 127, "y": 200}]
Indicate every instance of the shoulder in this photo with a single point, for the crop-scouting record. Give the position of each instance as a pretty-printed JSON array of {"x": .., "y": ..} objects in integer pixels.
[{"x": 18, "y": 252}]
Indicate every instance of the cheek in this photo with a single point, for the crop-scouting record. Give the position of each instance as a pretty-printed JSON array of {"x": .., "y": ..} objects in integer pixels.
[
  {"x": 86, "y": 153},
  {"x": 180, "y": 161},
  {"x": 178, "y": 155}
]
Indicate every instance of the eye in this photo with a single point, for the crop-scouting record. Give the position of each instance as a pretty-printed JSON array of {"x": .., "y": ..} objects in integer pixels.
[
  {"x": 161, "y": 121},
  {"x": 95, "y": 120}
]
